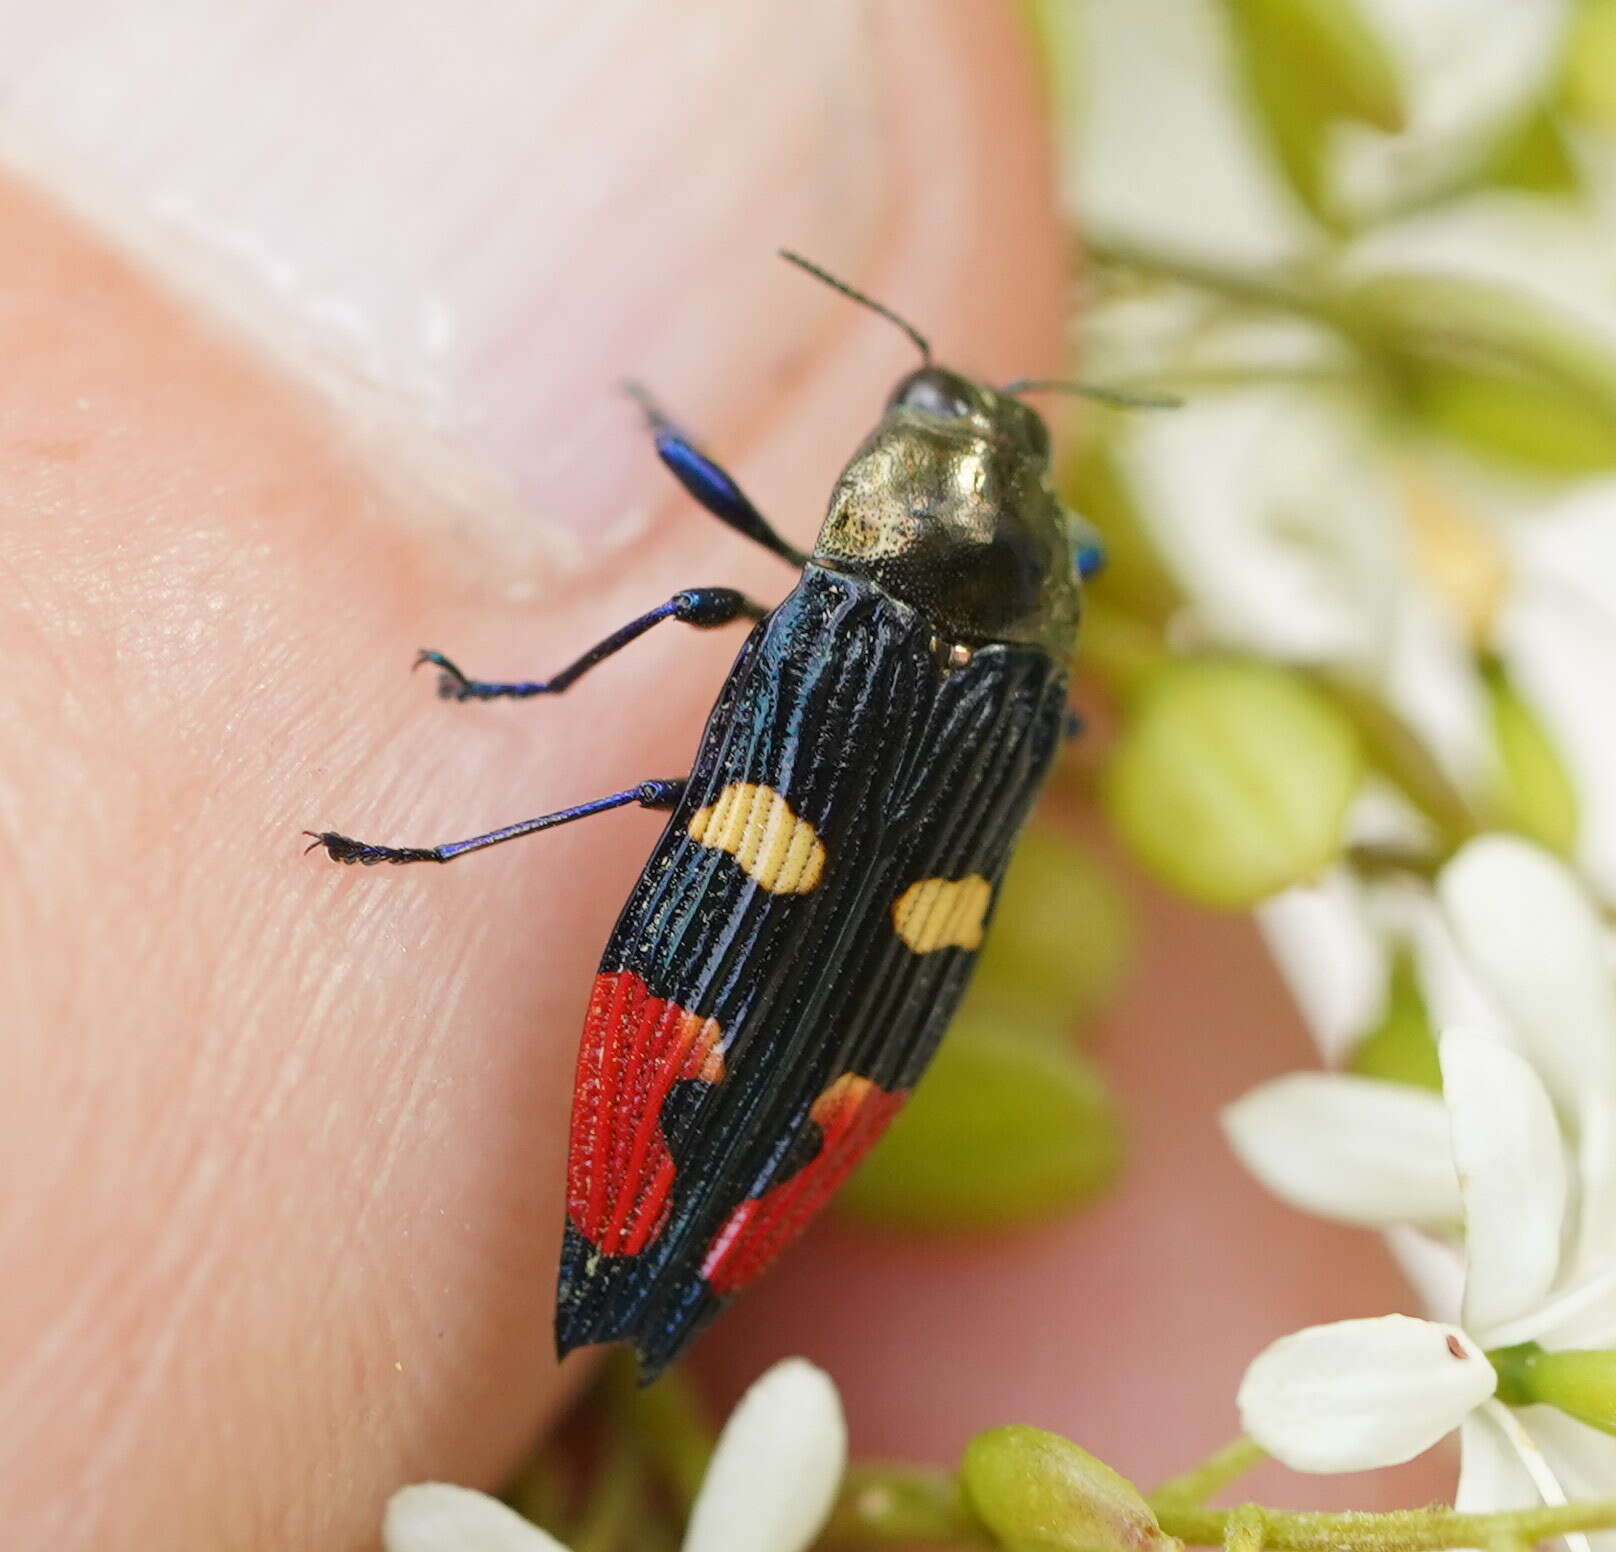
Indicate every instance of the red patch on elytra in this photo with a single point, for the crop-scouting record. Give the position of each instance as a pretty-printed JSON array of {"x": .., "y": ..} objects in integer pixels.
[
  {"x": 851, "y": 1113},
  {"x": 635, "y": 1048}
]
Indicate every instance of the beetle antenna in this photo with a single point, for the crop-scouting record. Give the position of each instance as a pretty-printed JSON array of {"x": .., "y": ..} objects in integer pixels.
[
  {"x": 858, "y": 296},
  {"x": 1117, "y": 396}
]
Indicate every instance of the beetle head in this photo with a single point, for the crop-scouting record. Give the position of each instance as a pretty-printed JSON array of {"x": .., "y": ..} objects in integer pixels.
[{"x": 948, "y": 506}]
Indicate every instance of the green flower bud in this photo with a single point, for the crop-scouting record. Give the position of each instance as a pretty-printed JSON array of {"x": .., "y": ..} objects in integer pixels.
[
  {"x": 1401, "y": 1048},
  {"x": 1038, "y": 1492},
  {"x": 1580, "y": 1384},
  {"x": 1060, "y": 941},
  {"x": 1002, "y": 1129},
  {"x": 1232, "y": 779},
  {"x": 1531, "y": 791}
]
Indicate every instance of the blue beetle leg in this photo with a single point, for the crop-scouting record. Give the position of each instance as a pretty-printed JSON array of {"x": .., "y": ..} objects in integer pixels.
[
  {"x": 1072, "y": 725},
  {"x": 343, "y": 848},
  {"x": 710, "y": 484},
  {"x": 703, "y": 607}
]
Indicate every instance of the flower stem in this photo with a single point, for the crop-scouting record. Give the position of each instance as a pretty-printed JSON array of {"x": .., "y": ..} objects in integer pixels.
[
  {"x": 1402, "y": 315},
  {"x": 1246, "y": 1530},
  {"x": 1402, "y": 1530},
  {"x": 1213, "y": 1474},
  {"x": 1272, "y": 288},
  {"x": 899, "y": 1506}
]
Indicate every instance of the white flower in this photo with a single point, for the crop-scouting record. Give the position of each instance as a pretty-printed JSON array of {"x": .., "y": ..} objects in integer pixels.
[
  {"x": 769, "y": 1488},
  {"x": 1364, "y": 1393},
  {"x": 1557, "y": 634},
  {"x": 1511, "y": 947},
  {"x": 1354, "y": 1149},
  {"x": 1536, "y": 945},
  {"x": 1301, "y": 515},
  {"x": 1518, "y": 1147},
  {"x": 1204, "y": 180},
  {"x": 1297, "y": 531}
]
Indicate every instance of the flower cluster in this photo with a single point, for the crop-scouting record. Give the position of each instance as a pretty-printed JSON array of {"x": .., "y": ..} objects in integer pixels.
[
  {"x": 1501, "y": 1194},
  {"x": 1386, "y": 300},
  {"x": 1362, "y": 628}
]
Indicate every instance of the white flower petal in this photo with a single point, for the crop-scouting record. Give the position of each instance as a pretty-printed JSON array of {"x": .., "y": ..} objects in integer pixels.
[
  {"x": 1362, "y": 1393},
  {"x": 1434, "y": 1267},
  {"x": 1453, "y": 995},
  {"x": 1509, "y": 1462},
  {"x": 1559, "y": 649},
  {"x": 1470, "y": 69},
  {"x": 438, "y": 1517},
  {"x": 1570, "y": 547},
  {"x": 1536, "y": 943},
  {"x": 1382, "y": 819},
  {"x": 1268, "y": 507},
  {"x": 1500, "y": 1466},
  {"x": 1544, "y": 254},
  {"x": 778, "y": 1464},
  {"x": 1596, "y": 1164},
  {"x": 1582, "y": 1314},
  {"x": 1203, "y": 179},
  {"x": 1581, "y": 1459},
  {"x": 1512, "y": 1176},
  {"x": 1535, "y": 939},
  {"x": 1356, "y": 1149},
  {"x": 1430, "y": 678},
  {"x": 1331, "y": 956}
]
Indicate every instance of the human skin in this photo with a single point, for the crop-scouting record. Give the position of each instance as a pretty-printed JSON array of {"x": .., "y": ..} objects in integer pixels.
[{"x": 282, "y": 1145}]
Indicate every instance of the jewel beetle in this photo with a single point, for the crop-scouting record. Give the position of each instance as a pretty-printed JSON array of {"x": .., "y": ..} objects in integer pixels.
[{"x": 805, "y": 928}]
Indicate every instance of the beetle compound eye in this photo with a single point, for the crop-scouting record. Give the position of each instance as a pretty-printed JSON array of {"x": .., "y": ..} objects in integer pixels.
[{"x": 933, "y": 392}]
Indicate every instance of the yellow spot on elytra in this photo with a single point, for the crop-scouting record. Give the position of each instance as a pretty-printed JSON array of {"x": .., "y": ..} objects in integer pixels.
[
  {"x": 943, "y": 913},
  {"x": 757, "y": 827},
  {"x": 848, "y": 1091},
  {"x": 699, "y": 1048}
]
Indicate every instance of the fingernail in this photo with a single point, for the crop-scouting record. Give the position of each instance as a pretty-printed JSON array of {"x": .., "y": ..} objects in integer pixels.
[{"x": 480, "y": 218}]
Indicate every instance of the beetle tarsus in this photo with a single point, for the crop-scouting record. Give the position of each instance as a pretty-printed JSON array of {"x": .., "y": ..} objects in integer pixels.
[{"x": 344, "y": 848}]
